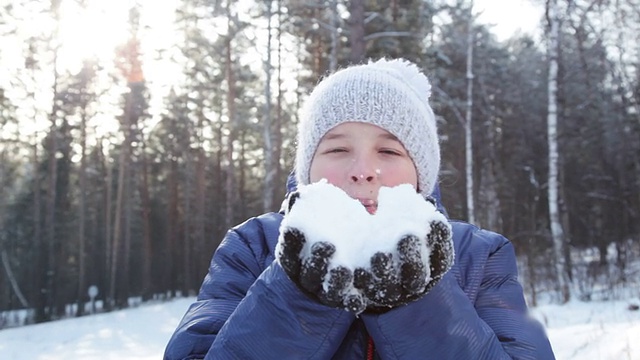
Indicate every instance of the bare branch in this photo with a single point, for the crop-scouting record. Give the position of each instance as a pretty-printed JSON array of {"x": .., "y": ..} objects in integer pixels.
[
  {"x": 450, "y": 102},
  {"x": 370, "y": 17},
  {"x": 389, "y": 34}
]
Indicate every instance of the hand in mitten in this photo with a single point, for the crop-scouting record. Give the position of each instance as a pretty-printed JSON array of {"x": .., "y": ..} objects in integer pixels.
[
  {"x": 338, "y": 253},
  {"x": 306, "y": 248},
  {"x": 419, "y": 260}
]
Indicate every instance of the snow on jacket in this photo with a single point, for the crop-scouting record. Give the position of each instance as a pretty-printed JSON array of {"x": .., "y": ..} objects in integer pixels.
[{"x": 248, "y": 308}]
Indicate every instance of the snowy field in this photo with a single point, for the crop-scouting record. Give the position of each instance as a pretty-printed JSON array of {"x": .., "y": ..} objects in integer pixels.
[{"x": 595, "y": 330}]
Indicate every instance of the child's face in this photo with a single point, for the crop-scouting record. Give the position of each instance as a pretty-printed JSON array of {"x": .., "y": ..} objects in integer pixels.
[{"x": 359, "y": 158}]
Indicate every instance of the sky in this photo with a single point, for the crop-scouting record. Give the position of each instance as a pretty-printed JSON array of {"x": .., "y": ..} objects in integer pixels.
[
  {"x": 577, "y": 331},
  {"x": 510, "y": 16}
]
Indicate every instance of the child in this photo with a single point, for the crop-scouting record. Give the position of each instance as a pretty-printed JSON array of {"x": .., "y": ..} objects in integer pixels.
[{"x": 445, "y": 290}]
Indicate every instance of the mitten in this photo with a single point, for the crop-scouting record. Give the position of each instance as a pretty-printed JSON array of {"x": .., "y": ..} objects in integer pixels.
[
  {"x": 306, "y": 249},
  {"x": 420, "y": 258}
]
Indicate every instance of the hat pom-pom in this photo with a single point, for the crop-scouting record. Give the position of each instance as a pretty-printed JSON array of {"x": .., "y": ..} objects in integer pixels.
[{"x": 408, "y": 72}]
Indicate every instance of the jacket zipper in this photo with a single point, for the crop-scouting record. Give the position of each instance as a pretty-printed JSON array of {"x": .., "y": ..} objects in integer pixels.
[{"x": 370, "y": 348}]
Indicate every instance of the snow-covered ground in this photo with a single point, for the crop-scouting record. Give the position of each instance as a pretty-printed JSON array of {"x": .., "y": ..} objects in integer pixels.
[
  {"x": 136, "y": 333},
  {"x": 578, "y": 330},
  {"x": 593, "y": 330}
]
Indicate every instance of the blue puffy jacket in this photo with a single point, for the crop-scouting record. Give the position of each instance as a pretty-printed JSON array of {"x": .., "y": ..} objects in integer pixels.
[{"x": 249, "y": 309}]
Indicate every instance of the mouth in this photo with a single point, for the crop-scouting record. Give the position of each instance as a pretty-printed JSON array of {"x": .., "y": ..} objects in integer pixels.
[{"x": 370, "y": 205}]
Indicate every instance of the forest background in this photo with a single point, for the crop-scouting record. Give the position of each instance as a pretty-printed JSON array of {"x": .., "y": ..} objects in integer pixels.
[{"x": 125, "y": 157}]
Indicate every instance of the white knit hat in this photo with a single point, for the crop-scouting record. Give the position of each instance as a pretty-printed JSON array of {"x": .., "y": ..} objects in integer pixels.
[{"x": 392, "y": 94}]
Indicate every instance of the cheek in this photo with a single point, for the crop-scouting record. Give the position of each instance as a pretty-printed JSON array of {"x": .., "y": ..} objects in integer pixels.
[
  {"x": 323, "y": 170},
  {"x": 397, "y": 175},
  {"x": 332, "y": 178}
]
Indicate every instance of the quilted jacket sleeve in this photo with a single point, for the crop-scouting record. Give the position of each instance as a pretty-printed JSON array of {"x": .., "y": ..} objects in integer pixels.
[
  {"x": 487, "y": 320},
  {"x": 245, "y": 311}
]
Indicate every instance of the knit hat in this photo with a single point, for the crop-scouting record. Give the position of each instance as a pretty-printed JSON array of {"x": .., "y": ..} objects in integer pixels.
[{"x": 392, "y": 94}]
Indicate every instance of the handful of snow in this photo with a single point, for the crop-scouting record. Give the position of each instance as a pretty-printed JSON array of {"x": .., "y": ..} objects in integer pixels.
[{"x": 324, "y": 213}]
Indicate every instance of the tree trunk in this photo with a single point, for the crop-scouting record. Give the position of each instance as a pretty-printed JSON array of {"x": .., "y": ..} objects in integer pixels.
[
  {"x": 201, "y": 192},
  {"x": 40, "y": 312},
  {"x": 277, "y": 135},
  {"x": 467, "y": 126},
  {"x": 356, "y": 31},
  {"x": 186, "y": 212},
  {"x": 50, "y": 216},
  {"x": 108, "y": 231},
  {"x": 269, "y": 163},
  {"x": 218, "y": 169},
  {"x": 333, "y": 28},
  {"x": 171, "y": 252},
  {"x": 532, "y": 225},
  {"x": 552, "y": 134},
  {"x": 242, "y": 195},
  {"x": 566, "y": 228},
  {"x": 4, "y": 258},
  {"x": 116, "y": 247},
  {"x": 82, "y": 209},
  {"x": 147, "y": 279},
  {"x": 230, "y": 186},
  {"x": 490, "y": 214},
  {"x": 125, "y": 270},
  {"x": 490, "y": 207}
]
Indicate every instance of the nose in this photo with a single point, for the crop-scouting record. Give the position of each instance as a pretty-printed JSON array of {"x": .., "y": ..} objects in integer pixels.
[
  {"x": 362, "y": 178},
  {"x": 363, "y": 171}
]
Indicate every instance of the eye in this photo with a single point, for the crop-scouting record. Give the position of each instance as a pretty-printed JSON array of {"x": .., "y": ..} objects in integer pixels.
[
  {"x": 335, "y": 150},
  {"x": 388, "y": 151}
]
